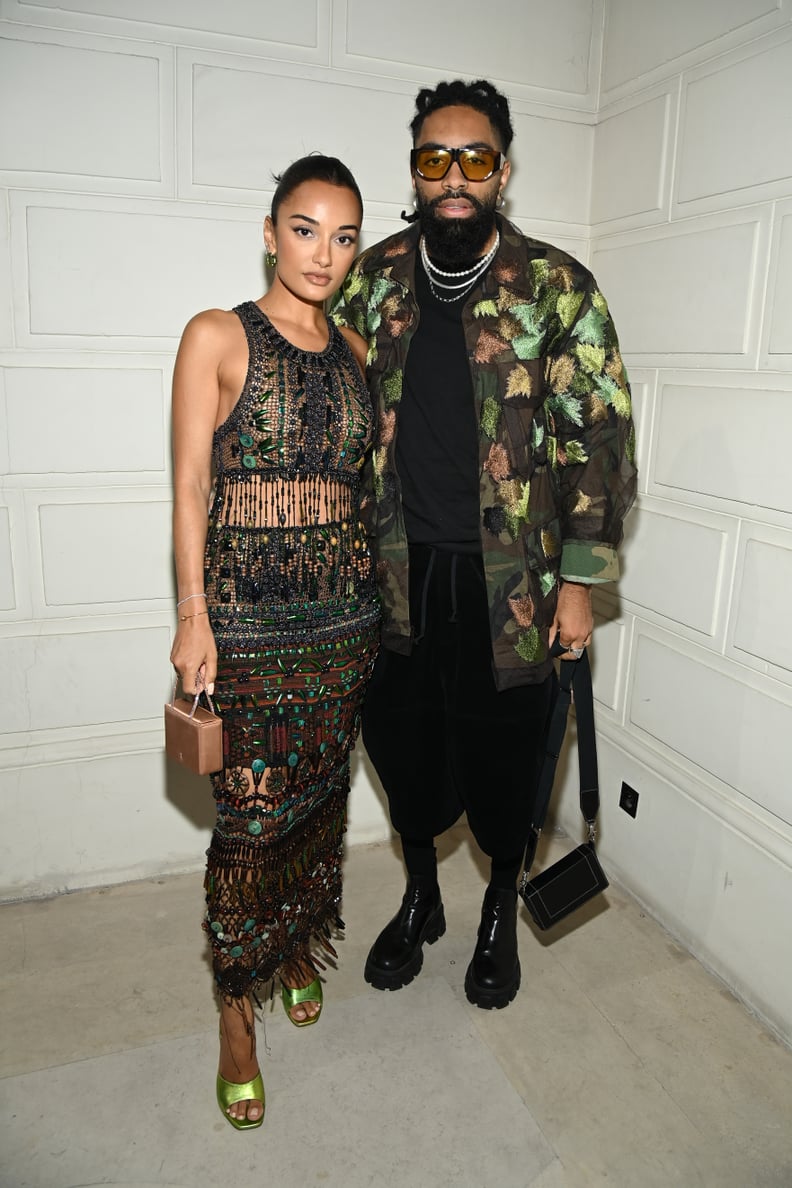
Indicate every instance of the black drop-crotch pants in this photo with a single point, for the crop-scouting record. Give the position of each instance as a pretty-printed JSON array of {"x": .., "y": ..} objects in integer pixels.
[{"x": 442, "y": 738}]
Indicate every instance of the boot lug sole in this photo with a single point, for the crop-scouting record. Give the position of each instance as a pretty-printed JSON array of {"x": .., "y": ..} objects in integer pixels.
[
  {"x": 487, "y": 999},
  {"x": 396, "y": 979}
]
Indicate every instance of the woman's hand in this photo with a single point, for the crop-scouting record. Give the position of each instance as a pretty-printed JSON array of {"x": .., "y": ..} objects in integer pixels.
[
  {"x": 194, "y": 654},
  {"x": 574, "y": 618}
]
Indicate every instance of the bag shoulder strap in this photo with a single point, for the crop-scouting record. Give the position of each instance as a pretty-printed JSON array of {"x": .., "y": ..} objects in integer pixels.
[{"x": 575, "y": 679}]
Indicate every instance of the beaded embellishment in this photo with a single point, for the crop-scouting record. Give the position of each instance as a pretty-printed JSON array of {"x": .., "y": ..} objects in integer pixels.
[{"x": 292, "y": 597}]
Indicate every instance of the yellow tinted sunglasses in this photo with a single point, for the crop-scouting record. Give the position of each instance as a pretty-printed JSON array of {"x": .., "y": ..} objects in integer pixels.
[{"x": 432, "y": 164}]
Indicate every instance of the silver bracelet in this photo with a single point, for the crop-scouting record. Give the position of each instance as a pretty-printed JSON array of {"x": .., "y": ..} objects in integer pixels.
[{"x": 187, "y": 599}]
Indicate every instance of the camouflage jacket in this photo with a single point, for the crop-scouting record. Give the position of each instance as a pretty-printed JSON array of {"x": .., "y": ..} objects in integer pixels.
[{"x": 556, "y": 441}]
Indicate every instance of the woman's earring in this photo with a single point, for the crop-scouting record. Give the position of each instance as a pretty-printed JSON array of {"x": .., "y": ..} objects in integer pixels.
[{"x": 271, "y": 259}]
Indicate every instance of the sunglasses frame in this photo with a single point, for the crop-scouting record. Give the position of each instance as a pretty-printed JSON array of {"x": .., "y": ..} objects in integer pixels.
[{"x": 455, "y": 155}]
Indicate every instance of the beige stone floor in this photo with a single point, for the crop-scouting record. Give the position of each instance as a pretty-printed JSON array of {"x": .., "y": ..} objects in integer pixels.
[{"x": 620, "y": 1063}]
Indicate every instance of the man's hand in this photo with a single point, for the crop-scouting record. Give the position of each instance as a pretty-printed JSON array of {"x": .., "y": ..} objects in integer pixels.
[{"x": 574, "y": 619}]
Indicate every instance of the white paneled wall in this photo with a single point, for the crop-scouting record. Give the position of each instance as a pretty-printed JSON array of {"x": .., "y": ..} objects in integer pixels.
[
  {"x": 109, "y": 271},
  {"x": 136, "y": 158},
  {"x": 712, "y": 434},
  {"x": 680, "y": 270},
  {"x": 638, "y": 192},
  {"x": 707, "y": 543},
  {"x": 691, "y": 239},
  {"x": 764, "y": 580},
  {"x": 7, "y": 596},
  {"x": 547, "y": 52},
  {"x": 59, "y": 128},
  {"x": 778, "y": 322},
  {"x": 50, "y": 409},
  {"x": 137, "y": 153},
  {"x": 645, "y": 39},
  {"x": 717, "y": 160}
]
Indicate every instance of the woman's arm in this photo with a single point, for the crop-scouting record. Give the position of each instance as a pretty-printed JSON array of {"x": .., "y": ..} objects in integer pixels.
[{"x": 196, "y": 401}]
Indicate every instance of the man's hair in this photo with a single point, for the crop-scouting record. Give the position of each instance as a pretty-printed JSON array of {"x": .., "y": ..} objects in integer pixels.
[
  {"x": 314, "y": 167},
  {"x": 480, "y": 95}
]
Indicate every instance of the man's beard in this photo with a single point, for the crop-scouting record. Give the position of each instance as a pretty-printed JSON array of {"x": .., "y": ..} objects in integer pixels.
[{"x": 455, "y": 243}]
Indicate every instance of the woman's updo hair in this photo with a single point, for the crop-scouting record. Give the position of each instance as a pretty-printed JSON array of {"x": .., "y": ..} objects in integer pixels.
[
  {"x": 480, "y": 95},
  {"x": 314, "y": 167}
]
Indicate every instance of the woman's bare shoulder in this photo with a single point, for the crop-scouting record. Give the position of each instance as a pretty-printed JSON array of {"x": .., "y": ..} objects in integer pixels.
[
  {"x": 358, "y": 345},
  {"x": 212, "y": 331},
  {"x": 211, "y": 322}
]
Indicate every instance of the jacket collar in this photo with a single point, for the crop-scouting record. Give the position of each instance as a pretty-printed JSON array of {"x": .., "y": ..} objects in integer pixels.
[
  {"x": 397, "y": 253},
  {"x": 511, "y": 266}
]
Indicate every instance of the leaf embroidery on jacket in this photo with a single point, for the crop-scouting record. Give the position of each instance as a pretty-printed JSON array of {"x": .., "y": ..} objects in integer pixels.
[
  {"x": 485, "y": 309},
  {"x": 591, "y": 328},
  {"x": 497, "y": 463},
  {"x": 566, "y": 404},
  {"x": 592, "y": 358},
  {"x": 490, "y": 415},
  {"x": 529, "y": 645},
  {"x": 518, "y": 382},
  {"x": 613, "y": 394},
  {"x": 487, "y": 347},
  {"x": 522, "y": 607}
]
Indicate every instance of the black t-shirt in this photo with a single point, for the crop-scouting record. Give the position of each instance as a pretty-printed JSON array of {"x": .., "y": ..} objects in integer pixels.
[{"x": 437, "y": 446}]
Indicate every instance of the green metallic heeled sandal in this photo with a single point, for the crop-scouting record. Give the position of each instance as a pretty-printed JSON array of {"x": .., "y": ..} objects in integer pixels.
[
  {"x": 292, "y": 997},
  {"x": 228, "y": 1092}
]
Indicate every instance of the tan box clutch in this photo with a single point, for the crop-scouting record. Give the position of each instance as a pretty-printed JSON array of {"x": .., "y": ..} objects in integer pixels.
[{"x": 193, "y": 735}]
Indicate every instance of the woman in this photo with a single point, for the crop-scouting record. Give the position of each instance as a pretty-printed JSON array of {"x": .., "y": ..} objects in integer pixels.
[{"x": 278, "y": 615}]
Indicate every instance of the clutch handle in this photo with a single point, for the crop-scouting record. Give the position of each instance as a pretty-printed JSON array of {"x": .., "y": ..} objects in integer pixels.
[{"x": 197, "y": 698}]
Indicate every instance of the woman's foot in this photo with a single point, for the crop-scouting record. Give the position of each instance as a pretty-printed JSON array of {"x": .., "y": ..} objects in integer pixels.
[
  {"x": 238, "y": 1063},
  {"x": 297, "y": 977}
]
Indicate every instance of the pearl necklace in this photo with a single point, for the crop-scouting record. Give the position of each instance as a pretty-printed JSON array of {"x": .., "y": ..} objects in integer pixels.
[{"x": 458, "y": 290}]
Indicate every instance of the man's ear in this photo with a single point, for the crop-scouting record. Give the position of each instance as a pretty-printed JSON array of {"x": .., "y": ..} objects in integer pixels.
[{"x": 504, "y": 177}]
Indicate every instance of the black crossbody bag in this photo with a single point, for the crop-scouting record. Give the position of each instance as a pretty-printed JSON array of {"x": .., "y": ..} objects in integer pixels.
[{"x": 578, "y": 876}]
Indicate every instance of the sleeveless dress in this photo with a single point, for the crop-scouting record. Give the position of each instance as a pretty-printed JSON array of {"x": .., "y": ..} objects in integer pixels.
[{"x": 294, "y": 609}]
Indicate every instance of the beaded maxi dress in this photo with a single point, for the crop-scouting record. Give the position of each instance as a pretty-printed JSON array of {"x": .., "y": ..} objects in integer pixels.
[{"x": 293, "y": 605}]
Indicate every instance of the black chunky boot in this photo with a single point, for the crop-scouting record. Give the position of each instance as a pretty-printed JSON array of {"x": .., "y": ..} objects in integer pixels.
[
  {"x": 396, "y": 956},
  {"x": 493, "y": 976}
]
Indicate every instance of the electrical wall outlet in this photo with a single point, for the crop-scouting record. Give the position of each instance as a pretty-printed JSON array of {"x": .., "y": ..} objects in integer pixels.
[{"x": 628, "y": 799}]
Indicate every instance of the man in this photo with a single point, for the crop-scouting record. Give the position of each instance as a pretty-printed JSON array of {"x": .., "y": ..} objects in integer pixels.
[{"x": 502, "y": 471}]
